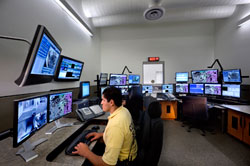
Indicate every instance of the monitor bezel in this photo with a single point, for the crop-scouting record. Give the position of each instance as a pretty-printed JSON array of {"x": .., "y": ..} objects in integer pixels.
[
  {"x": 48, "y": 118},
  {"x": 232, "y": 82},
  {"x": 181, "y": 81},
  {"x": 120, "y": 75},
  {"x": 225, "y": 96},
  {"x": 205, "y": 82},
  {"x": 212, "y": 94},
  {"x": 134, "y": 75},
  {"x": 15, "y": 119},
  {"x": 56, "y": 77},
  {"x": 26, "y": 78},
  {"x": 181, "y": 92},
  {"x": 80, "y": 88},
  {"x": 196, "y": 93}
]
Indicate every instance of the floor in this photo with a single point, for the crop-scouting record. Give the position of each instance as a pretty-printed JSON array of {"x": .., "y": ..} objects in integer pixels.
[{"x": 192, "y": 149}]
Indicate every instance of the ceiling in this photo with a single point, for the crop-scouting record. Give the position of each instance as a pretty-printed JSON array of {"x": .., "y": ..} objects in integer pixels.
[{"x": 105, "y": 13}]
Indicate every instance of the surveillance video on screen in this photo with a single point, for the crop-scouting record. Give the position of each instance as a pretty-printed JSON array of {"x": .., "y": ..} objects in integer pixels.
[
  {"x": 147, "y": 88},
  {"x": 167, "y": 88},
  {"x": 205, "y": 76},
  {"x": 117, "y": 79},
  {"x": 233, "y": 75},
  {"x": 213, "y": 89},
  {"x": 181, "y": 88}
]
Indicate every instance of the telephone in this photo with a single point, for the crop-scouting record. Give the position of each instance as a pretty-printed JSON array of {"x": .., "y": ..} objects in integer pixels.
[{"x": 87, "y": 113}]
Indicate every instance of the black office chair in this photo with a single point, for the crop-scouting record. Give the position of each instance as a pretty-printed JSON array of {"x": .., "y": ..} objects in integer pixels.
[
  {"x": 195, "y": 112},
  {"x": 149, "y": 149}
]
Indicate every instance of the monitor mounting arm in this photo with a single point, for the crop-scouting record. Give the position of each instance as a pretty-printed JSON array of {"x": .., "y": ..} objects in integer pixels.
[
  {"x": 127, "y": 69},
  {"x": 216, "y": 60},
  {"x": 14, "y": 38}
]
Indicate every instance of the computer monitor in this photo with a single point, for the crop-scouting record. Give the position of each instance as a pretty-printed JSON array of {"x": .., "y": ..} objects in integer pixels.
[
  {"x": 196, "y": 89},
  {"x": 30, "y": 114},
  {"x": 133, "y": 79},
  {"x": 42, "y": 59},
  {"x": 157, "y": 88},
  {"x": 232, "y": 76},
  {"x": 103, "y": 79},
  {"x": 84, "y": 89},
  {"x": 213, "y": 89},
  {"x": 231, "y": 90},
  {"x": 124, "y": 89},
  {"x": 117, "y": 79},
  {"x": 60, "y": 104},
  {"x": 69, "y": 69},
  {"x": 102, "y": 89},
  {"x": 205, "y": 76},
  {"x": 181, "y": 88},
  {"x": 167, "y": 88},
  {"x": 181, "y": 77},
  {"x": 147, "y": 89}
]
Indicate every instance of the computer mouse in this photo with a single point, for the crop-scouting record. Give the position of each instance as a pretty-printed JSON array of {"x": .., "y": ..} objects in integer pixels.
[{"x": 95, "y": 128}]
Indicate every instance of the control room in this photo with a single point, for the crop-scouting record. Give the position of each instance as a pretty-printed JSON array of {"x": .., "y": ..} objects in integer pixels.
[{"x": 138, "y": 83}]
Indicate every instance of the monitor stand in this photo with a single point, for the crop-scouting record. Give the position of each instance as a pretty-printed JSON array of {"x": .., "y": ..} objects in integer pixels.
[
  {"x": 27, "y": 152},
  {"x": 58, "y": 126}
]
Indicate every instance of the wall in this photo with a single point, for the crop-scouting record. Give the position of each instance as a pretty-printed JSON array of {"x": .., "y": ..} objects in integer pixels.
[
  {"x": 183, "y": 46},
  {"x": 232, "y": 43},
  {"x": 20, "y": 19}
]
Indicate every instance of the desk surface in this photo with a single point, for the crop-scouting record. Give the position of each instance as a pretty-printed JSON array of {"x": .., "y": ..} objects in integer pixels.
[
  {"x": 240, "y": 108},
  {"x": 8, "y": 153}
]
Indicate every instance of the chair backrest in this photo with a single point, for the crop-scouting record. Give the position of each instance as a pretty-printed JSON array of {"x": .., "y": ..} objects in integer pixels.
[
  {"x": 152, "y": 136},
  {"x": 195, "y": 107}
]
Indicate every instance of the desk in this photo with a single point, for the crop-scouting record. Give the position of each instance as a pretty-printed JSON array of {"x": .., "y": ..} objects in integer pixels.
[
  {"x": 8, "y": 153},
  {"x": 169, "y": 109}
]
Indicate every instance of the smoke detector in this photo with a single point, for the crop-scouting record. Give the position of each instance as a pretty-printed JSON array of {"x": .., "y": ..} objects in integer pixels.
[{"x": 154, "y": 13}]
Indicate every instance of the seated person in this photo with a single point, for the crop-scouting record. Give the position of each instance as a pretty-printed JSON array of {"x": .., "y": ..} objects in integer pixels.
[{"x": 119, "y": 134}]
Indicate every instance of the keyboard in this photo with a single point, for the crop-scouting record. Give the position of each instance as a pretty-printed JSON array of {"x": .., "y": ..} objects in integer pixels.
[{"x": 77, "y": 140}]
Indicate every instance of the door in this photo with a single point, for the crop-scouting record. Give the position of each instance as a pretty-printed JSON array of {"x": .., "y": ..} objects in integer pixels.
[
  {"x": 246, "y": 132},
  {"x": 235, "y": 127}
]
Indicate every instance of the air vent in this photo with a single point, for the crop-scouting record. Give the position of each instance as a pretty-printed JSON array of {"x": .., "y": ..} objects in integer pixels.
[{"x": 154, "y": 13}]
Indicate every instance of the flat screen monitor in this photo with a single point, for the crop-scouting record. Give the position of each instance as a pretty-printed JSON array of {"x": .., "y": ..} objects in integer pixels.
[
  {"x": 205, "y": 76},
  {"x": 231, "y": 90},
  {"x": 117, "y": 79},
  {"x": 133, "y": 79},
  {"x": 157, "y": 89},
  {"x": 181, "y": 76},
  {"x": 84, "y": 89},
  {"x": 30, "y": 114},
  {"x": 232, "y": 76},
  {"x": 103, "y": 79},
  {"x": 41, "y": 61},
  {"x": 167, "y": 88},
  {"x": 60, "y": 104},
  {"x": 124, "y": 89},
  {"x": 213, "y": 89},
  {"x": 102, "y": 89},
  {"x": 69, "y": 69},
  {"x": 196, "y": 88},
  {"x": 147, "y": 89},
  {"x": 181, "y": 88}
]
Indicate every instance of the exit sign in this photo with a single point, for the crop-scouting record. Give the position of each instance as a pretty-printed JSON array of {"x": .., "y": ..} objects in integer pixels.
[{"x": 153, "y": 59}]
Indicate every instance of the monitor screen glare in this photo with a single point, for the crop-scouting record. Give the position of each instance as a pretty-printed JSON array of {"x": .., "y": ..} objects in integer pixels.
[
  {"x": 181, "y": 88},
  {"x": 167, "y": 88},
  {"x": 147, "y": 89},
  {"x": 205, "y": 76},
  {"x": 47, "y": 57},
  {"x": 117, "y": 79},
  {"x": 134, "y": 79},
  {"x": 232, "y": 76},
  {"x": 231, "y": 90},
  {"x": 32, "y": 115},
  {"x": 60, "y": 105},
  {"x": 181, "y": 77},
  {"x": 213, "y": 89},
  {"x": 196, "y": 88}
]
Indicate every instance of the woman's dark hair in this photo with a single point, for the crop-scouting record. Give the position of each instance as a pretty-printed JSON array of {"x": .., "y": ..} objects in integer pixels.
[{"x": 114, "y": 94}]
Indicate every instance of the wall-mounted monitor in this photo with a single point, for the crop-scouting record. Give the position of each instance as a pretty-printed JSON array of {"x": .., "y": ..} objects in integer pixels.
[
  {"x": 147, "y": 89},
  {"x": 133, "y": 79},
  {"x": 167, "y": 88},
  {"x": 205, "y": 76},
  {"x": 196, "y": 89},
  {"x": 84, "y": 89},
  {"x": 117, "y": 79},
  {"x": 103, "y": 79},
  {"x": 60, "y": 104},
  {"x": 181, "y": 88},
  {"x": 213, "y": 89},
  {"x": 68, "y": 69},
  {"x": 232, "y": 76},
  {"x": 30, "y": 114},
  {"x": 231, "y": 90},
  {"x": 42, "y": 59},
  {"x": 181, "y": 77}
]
